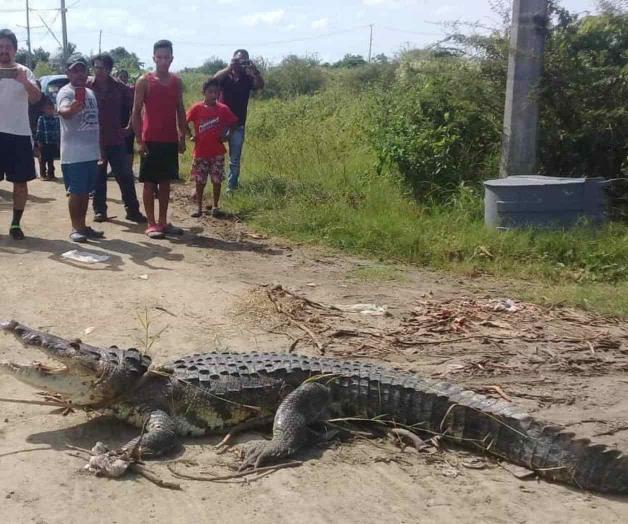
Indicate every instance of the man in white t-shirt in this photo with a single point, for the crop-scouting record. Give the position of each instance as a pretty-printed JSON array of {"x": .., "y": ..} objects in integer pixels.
[
  {"x": 80, "y": 145},
  {"x": 17, "y": 89}
]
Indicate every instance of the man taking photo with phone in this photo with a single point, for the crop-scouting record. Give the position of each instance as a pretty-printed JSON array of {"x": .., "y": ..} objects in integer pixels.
[
  {"x": 237, "y": 81},
  {"x": 17, "y": 89},
  {"x": 80, "y": 145}
]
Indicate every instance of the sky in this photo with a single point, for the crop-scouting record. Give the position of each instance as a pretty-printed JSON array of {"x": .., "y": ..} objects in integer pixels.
[{"x": 271, "y": 28}]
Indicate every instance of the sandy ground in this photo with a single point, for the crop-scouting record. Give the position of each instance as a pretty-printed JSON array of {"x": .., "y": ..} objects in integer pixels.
[{"x": 204, "y": 289}]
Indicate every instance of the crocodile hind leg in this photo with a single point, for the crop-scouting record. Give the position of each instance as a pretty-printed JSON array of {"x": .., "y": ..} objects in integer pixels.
[
  {"x": 305, "y": 405},
  {"x": 158, "y": 437}
]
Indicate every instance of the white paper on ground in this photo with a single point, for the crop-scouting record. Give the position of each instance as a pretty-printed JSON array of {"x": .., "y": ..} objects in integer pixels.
[
  {"x": 364, "y": 309},
  {"x": 85, "y": 257}
]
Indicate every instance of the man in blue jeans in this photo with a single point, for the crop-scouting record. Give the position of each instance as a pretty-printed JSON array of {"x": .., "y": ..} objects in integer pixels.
[
  {"x": 113, "y": 97},
  {"x": 237, "y": 81}
]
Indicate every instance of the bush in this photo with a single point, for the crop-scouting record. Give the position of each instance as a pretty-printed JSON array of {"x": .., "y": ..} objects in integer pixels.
[
  {"x": 439, "y": 125},
  {"x": 584, "y": 119},
  {"x": 293, "y": 76}
]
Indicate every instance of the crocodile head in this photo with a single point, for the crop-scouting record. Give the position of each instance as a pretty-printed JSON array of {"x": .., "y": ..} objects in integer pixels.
[{"x": 86, "y": 376}]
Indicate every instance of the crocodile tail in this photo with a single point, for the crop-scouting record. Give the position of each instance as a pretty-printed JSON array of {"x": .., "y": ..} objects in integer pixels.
[{"x": 503, "y": 430}]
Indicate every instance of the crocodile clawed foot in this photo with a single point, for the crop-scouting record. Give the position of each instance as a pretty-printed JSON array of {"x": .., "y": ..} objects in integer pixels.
[
  {"x": 106, "y": 463},
  {"x": 255, "y": 453}
]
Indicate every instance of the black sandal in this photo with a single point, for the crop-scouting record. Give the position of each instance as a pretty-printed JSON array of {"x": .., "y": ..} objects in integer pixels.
[{"x": 16, "y": 232}]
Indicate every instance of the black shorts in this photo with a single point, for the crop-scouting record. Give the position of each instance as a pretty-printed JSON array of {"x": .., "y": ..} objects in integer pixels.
[
  {"x": 48, "y": 152},
  {"x": 161, "y": 162},
  {"x": 16, "y": 158}
]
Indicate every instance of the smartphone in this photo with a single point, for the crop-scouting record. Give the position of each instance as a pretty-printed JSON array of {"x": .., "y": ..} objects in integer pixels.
[
  {"x": 80, "y": 94},
  {"x": 8, "y": 72}
]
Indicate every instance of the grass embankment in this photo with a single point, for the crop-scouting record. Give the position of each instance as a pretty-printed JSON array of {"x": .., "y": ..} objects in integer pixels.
[{"x": 310, "y": 174}]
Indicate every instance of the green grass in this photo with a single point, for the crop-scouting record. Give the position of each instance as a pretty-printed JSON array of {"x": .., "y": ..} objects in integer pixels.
[
  {"x": 378, "y": 273},
  {"x": 309, "y": 174}
]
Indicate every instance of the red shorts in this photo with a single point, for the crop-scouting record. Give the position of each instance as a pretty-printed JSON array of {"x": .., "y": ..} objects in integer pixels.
[{"x": 204, "y": 168}]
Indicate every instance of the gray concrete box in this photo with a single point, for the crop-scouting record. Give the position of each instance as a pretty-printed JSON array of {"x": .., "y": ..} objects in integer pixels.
[{"x": 544, "y": 202}]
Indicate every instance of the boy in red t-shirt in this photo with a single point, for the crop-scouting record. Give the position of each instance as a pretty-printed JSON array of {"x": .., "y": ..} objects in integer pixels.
[{"x": 212, "y": 123}]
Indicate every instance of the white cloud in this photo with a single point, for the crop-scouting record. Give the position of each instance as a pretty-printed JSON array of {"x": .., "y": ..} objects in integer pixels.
[
  {"x": 264, "y": 17},
  {"x": 321, "y": 23}
]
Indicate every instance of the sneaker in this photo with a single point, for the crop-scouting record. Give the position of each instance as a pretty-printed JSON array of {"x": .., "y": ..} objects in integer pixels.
[
  {"x": 16, "y": 232},
  {"x": 136, "y": 216},
  {"x": 217, "y": 212},
  {"x": 92, "y": 233},
  {"x": 155, "y": 231},
  {"x": 100, "y": 217},
  {"x": 172, "y": 230},
  {"x": 75, "y": 236}
]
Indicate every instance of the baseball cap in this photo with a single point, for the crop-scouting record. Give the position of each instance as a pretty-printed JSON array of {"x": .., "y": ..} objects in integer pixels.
[{"x": 77, "y": 58}]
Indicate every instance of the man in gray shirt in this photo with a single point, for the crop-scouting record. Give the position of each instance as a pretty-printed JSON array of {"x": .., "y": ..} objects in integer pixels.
[{"x": 80, "y": 147}]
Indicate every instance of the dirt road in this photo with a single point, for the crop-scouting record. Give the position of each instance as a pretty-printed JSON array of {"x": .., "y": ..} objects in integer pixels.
[{"x": 204, "y": 289}]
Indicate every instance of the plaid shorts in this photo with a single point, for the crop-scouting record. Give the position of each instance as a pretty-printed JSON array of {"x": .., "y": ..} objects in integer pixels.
[{"x": 213, "y": 167}]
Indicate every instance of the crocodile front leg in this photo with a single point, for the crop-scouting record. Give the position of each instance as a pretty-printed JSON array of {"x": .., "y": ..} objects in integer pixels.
[
  {"x": 305, "y": 405},
  {"x": 159, "y": 436}
]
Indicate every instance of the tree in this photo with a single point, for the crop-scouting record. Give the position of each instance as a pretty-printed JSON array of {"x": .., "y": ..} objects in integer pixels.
[
  {"x": 43, "y": 69},
  {"x": 584, "y": 116},
  {"x": 57, "y": 60},
  {"x": 21, "y": 57},
  {"x": 124, "y": 59},
  {"x": 212, "y": 65},
  {"x": 350, "y": 60},
  {"x": 380, "y": 59},
  {"x": 40, "y": 55}
]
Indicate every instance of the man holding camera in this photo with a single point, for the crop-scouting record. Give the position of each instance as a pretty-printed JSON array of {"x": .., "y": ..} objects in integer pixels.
[
  {"x": 17, "y": 89},
  {"x": 237, "y": 81}
]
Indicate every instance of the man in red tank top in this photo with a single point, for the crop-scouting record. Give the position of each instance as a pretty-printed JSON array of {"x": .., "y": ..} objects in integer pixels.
[{"x": 160, "y": 135}]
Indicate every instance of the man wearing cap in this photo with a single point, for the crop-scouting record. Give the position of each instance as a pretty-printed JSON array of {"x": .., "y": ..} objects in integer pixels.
[
  {"x": 17, "y": 89},
  {"x": 113, "y": 97},
  {"x": 80, "y": 145}
]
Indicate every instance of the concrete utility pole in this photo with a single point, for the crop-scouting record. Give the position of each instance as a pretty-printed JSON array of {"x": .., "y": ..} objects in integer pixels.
[
  {"x": 28, "y": 36},
  {"x": 100, "y": 41},
  {"x": 371, "y": 42},
  {"x": 64, "y": 32},
  {"x": 525, "y": 67}
]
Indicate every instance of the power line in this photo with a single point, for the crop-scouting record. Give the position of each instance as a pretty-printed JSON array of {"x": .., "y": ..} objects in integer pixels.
[
  {"x": 419, "y": 33},
  {"x": 236, "y": 44}
]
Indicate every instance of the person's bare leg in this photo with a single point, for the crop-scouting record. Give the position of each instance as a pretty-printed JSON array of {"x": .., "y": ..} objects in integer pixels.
[
  {"x": 164, "y": 197},
  {"x": 148, "y": 195},
  {"x": 20, "y": 195},
  {"x": 77, "y": 204},
  {"x": 200, "y": 190},
  {"x": 216, "y": 187}
]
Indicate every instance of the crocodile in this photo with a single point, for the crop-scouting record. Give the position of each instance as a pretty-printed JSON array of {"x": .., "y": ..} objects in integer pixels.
[{"x": 213, "y": 392}]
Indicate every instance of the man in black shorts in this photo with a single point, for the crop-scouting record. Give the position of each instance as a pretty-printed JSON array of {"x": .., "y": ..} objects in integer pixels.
[
  {"x": 17, "y": 89},
  {"x": 159, "y": 123}
]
